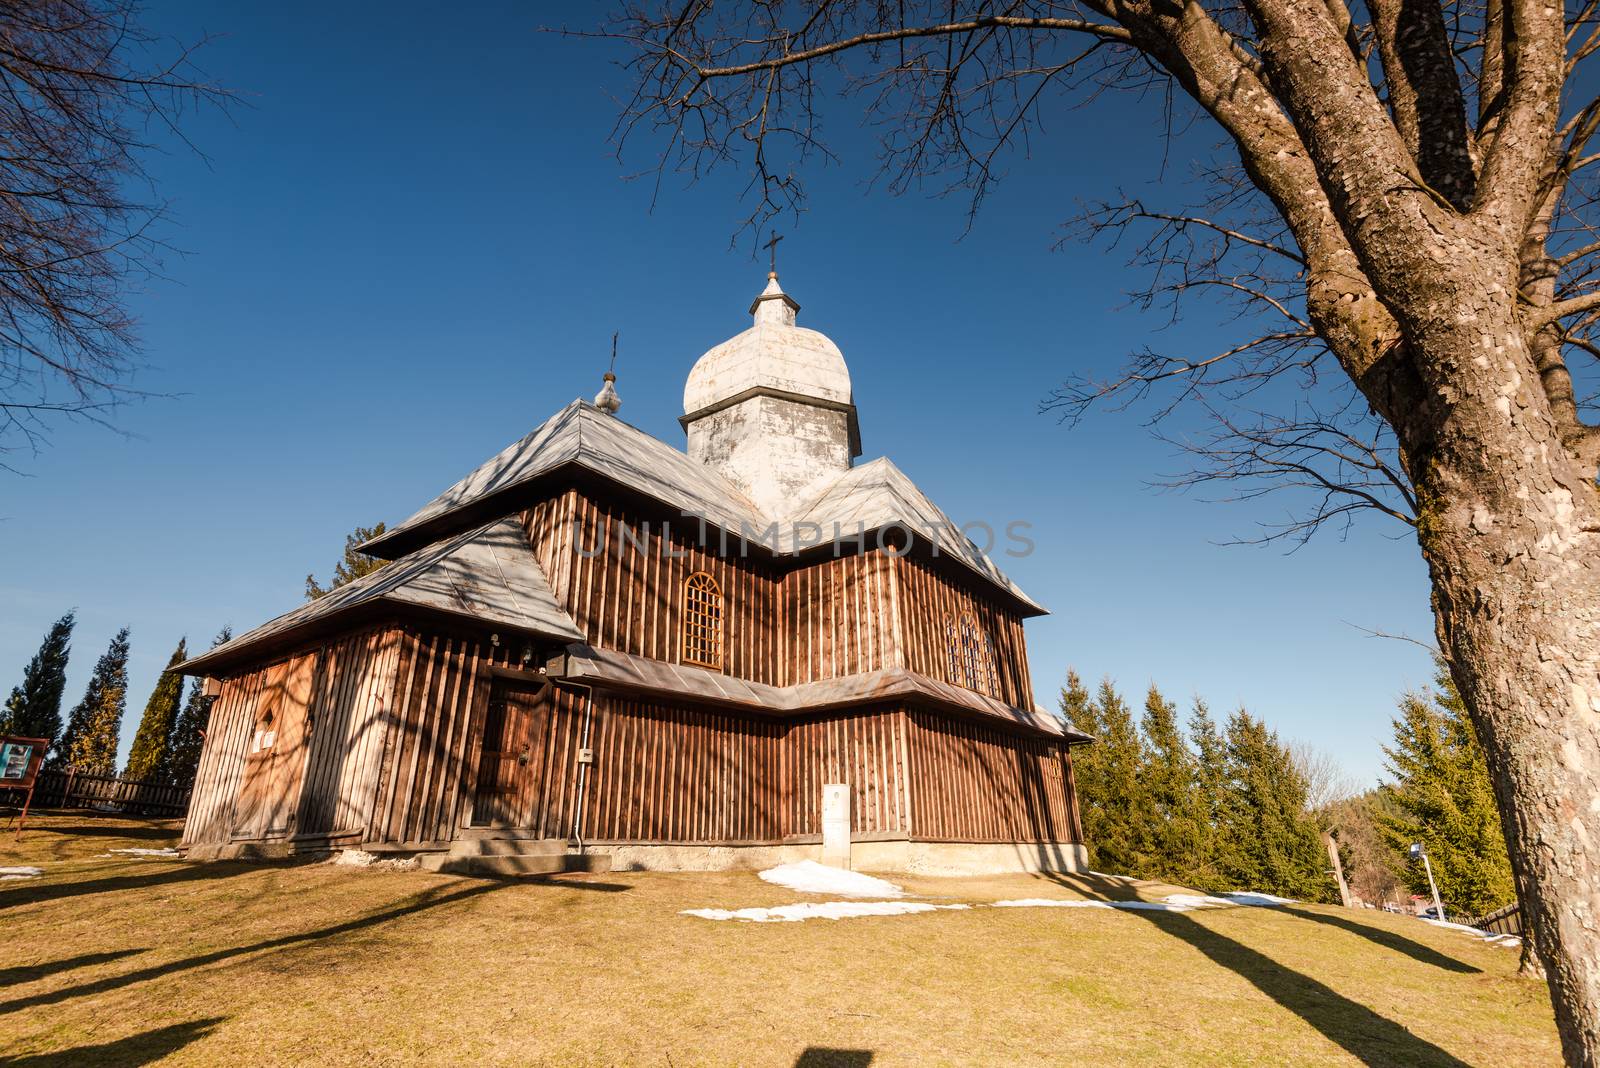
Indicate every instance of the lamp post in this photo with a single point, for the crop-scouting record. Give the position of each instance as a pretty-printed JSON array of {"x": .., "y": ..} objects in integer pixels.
[{"x": 1415, "y": 852}]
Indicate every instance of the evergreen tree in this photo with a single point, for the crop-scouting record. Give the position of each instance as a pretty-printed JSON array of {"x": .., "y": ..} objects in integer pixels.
[
  {"x": 1443, "y": 798},
  {"x": 1177, "y": 832},
  {"x": 94, "y": 726},
  {"x": 1272, "y": 843},
  {"x": 1210, "y": 786},
  {"x": 354, "y": 565},
  {"x": 150, "y": 755},
  {"x": 34, "y": 708},
  {"x": 188, "y": 734},
  {"x": 1115, "y": 808}
]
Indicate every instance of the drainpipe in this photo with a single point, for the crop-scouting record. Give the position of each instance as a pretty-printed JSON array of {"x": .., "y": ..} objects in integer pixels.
[{"x": 585, "y": 758}]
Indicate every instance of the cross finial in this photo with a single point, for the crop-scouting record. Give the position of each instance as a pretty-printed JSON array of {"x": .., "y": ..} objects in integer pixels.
[
  {"x": 615, "y": 334},
  {"x": 772, "y": 253}
]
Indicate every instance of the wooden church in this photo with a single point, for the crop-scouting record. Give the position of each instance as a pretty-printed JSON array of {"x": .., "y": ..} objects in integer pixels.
[{"x": 657, "y": 659}]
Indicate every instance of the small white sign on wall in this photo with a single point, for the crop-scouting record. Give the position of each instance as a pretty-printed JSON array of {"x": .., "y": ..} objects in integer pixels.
[{"x": 836, "y": 824}]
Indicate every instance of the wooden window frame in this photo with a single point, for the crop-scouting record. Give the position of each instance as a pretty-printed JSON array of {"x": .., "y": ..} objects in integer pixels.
[
  {"x": 971, "y": 654},
  {"x": 701, "y": 639}
]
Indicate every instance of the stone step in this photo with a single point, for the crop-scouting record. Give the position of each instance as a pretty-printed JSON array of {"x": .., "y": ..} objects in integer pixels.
[
  {"x": 507, "y": 847},
  {"x": 498, "y": 834}
]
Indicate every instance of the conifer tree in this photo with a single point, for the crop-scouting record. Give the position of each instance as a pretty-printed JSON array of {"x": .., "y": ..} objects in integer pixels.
[
  {"x": 94, "y": 726},
  {"x": 150, "y": 755},
  {"x": 188, "y": 734},
  {"x": 1211, "y": 782},
  {"x": 1442, "y": 797},
  {"x": 34, "y": 708},
  {"x": 354, "y": 565},
  {"x": 1273, "y": 843},
  {"x": 1169, "y": 775},
  {"x": 1114, "y": 805}
]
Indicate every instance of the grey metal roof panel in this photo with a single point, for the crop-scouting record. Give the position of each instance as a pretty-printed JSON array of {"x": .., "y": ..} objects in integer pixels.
[
  {"x": 488, "y": 574},
  {"x": 582, "y": 434},
  {"x": 587, "y": 664},
  {"x": 878, "y": 494}
]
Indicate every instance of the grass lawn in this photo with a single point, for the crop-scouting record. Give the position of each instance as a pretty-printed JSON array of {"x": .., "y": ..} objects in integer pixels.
[{"x": 127, "y": 960}]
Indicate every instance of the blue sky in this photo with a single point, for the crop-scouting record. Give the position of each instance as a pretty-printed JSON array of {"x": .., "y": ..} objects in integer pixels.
[{"x": 412, "y": 244}]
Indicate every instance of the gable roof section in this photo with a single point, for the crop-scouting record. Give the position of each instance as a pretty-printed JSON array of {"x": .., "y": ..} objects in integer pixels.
[
  {"x": 878, "y": 494},
  {"x": 488, "y": 575},
  {"x": 866, "y": 498},
  {"x": 582, "y": 435}
]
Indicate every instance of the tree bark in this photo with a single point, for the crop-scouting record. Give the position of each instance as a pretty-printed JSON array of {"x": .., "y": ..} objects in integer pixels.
[{"x": 1509, "y": 526}]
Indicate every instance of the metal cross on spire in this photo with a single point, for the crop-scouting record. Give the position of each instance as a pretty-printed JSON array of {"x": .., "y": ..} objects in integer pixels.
[{"x": 772, "y": 252}]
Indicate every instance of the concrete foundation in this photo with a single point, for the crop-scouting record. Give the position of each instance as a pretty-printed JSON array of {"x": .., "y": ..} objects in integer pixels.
[{"x": 891, "y": 856}]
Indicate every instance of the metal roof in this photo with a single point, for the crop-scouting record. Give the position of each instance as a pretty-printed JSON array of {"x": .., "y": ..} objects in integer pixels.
[
  {"x": 588, "y": 664},
  {"x": 489, "y": 575},
  {"x": 869, "y": 497}
]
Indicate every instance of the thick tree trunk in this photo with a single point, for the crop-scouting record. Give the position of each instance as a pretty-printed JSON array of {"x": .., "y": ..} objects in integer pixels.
[{"x": 1510, "y": 528}]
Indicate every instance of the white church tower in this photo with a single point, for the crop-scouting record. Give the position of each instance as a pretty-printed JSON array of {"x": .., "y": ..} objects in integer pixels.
[{"x": 771, "y": 408}]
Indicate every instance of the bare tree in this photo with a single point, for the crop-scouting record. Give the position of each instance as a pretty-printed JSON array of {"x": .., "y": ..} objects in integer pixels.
[
  {"x": 1326, "y": 781},
  {"x": 1406, "y": 228},
  {"x": 82, "y": 90}
]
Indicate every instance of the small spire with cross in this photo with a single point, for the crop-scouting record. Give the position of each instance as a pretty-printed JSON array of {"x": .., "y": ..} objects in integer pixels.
[
  {"x": 772, "y": 254},
  {"x": 607, "y": 400}
]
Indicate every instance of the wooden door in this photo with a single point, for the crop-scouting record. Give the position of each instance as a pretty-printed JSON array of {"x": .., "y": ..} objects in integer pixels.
[{"x": 511, "y": 772}]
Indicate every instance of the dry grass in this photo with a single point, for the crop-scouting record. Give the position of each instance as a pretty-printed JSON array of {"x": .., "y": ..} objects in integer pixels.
[{"x": 126, "y": 961}]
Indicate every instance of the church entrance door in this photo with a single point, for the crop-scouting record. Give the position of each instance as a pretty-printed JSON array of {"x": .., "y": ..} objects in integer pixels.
[{"x": 512, "y": 771}]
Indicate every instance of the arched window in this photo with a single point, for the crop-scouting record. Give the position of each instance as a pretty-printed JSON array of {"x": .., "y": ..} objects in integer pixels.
[
  {"x": 702, "y": 621},
  {"x": 971, "y": 655}
]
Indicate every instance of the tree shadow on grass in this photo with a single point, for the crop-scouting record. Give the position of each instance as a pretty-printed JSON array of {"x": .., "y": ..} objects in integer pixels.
[
  {"x": 428, "y": 899},
  {"x": 143, "y": 1048},
  {"x": 27, "y": 973},
  {"x": 1364, "y": 1034},
  {"x": 155, "y": 829},
  {"x": 1387, "y": 939},
  {"x": 824, "y": 1057},
  {"x": 173, "y": 871}
]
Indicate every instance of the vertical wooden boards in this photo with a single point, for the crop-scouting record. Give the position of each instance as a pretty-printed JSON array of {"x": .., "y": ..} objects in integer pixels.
[
  {"x": 859, "y": 748},
  {"x": 974, "y": 783},
  {"x": 927, "y": 602}
]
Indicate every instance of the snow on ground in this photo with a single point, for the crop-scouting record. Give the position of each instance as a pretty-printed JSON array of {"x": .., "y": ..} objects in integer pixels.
[
  {"x": 1248, "y": 897},
  {"x": 1508, "y": 941},
  {"x": 819, "y": 910},
  {"x": 1061, "y": 903},
  {"x": 20, "y": 872},
  {"x": 809, "y": 877},
  {"x": 141, "y": 852}
]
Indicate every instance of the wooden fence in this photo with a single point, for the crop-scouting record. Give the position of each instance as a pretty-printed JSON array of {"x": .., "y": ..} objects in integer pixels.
[
  {"x": 1502, "y": 921},
  {"x": 107, "y": 793}
]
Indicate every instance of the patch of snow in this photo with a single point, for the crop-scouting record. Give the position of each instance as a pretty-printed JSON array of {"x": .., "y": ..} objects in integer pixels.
[
  {"x": 1507, "y": 941},
  {"x": 21, "y": 871},
  {"x": 1198, "y": 901},
  {"x": 809, "y": 877},
  {"x": 1107, "y": 875},
  {"x": 819, "y": 910},
  {"x": 141, "y": 852},
  {"x": 1061, "y": 903},
  {"x": 1249, "y": 897}
]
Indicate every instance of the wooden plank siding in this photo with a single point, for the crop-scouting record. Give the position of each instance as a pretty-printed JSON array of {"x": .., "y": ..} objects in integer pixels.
[
  {"x": 973, "y": 783},
  {"x": 927, "y": 602},
  {"x": 622, "y": 581},
  {"x": 866, "y": 750}
]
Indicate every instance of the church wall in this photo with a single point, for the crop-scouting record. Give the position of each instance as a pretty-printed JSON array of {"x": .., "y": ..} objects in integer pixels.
[
  {"x": 928, "y": 602},
  {"x": 626, "y": 590},
  {"x": 838, "y": 618},
  {"x": 674, "y": 774},
  {"x": 866, "y": 750},
  {"x": 325, "y": 714},
  {"x": 972, "y": 783}
]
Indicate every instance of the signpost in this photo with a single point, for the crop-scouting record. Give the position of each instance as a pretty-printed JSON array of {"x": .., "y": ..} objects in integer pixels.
[{"x": 19, "y": 769}]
